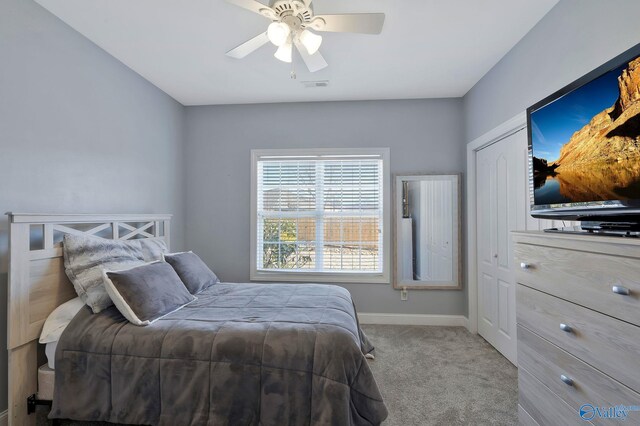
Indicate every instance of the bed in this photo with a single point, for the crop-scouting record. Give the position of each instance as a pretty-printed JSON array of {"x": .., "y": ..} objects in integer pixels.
[{"x": 241, "y": 354}]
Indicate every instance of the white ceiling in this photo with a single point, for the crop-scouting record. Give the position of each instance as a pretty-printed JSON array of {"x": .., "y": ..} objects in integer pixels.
[{"x": 427, "y": 49}]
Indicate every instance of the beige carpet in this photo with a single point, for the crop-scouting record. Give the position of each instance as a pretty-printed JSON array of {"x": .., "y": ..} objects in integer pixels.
[{"x": 434, "y": 376}]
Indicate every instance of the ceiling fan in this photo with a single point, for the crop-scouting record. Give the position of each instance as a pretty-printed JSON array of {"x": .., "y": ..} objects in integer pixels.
[{"x": 292, "y": 22}]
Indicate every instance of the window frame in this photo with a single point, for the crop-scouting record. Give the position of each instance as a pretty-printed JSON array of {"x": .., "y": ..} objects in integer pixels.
[{"x": 315, "y": 276}]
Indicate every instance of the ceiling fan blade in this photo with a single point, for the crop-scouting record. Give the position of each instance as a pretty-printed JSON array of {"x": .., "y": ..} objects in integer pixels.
[
  {"x": 248, "y": 46},
  {"x": 365, "y": 23},
  {"x": 314, "y": 62},
  {"x": 255, "y": 6}
]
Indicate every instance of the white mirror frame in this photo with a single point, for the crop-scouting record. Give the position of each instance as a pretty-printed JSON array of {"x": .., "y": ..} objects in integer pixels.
[{"x": 456, "y": 283}]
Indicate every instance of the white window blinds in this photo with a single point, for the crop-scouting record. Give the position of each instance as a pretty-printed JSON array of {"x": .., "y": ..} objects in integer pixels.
[{"x": 319, "y": 213}]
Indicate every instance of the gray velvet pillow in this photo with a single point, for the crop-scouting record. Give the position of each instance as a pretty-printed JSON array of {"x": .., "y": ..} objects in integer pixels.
[
  {"x": 86, "y": 257},
  {"x": 193, "y": 272},
  {"x": 146, "y": 293}
]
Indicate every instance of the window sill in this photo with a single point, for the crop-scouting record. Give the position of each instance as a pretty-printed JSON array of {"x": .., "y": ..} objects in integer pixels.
[{"x": 326, "y": 277}]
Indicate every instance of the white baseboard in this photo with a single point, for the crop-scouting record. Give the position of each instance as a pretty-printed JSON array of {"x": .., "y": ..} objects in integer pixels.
[
  {"x": 413, "y": 319},
  {"x": 4, "y": 418}
]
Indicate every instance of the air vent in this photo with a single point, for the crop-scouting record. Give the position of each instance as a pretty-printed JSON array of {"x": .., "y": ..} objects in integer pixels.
[{"x": 318, "y": 83}]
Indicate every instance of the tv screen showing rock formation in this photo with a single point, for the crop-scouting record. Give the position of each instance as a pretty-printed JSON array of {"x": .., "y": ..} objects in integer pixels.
[{"x": 586, "y": 144}]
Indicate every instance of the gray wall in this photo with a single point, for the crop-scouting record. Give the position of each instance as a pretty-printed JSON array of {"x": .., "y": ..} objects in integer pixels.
[
  {"x": 424, "y": 136},
  {"x": 575, "y": 37},
  {"x": 79, "y": 132}
]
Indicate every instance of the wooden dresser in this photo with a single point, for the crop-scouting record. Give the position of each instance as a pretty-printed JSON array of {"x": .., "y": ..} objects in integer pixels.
[{"x": 578, "y": 314}]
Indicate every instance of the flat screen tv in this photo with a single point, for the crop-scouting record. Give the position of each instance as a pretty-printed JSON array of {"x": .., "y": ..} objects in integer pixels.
[{"x": 584, "y": 146}]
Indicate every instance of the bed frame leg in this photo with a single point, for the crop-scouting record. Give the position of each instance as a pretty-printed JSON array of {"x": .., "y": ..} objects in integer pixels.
[{"x": 33, "y": 402}]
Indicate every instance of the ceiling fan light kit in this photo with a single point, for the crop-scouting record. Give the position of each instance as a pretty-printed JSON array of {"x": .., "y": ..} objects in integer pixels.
[
  {"x": 278, "y": 33},
  {"x": 285, "y": 52},
  {"x": 291, "y": 21},
  {"x": 310, "y": 41}
]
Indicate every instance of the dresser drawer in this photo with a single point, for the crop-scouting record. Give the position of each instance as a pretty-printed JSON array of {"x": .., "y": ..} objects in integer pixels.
[
  {"x": 542, "y": 404},
  {"x": 610, "y": 345},
  {"x": 524, "y": 419},
  {"x": 583, "y": 278},
  {"x": 548, "y": 362}
]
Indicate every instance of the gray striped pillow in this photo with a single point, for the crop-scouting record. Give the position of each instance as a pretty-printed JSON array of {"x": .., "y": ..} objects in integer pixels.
[{"x": 86, "y": 257}]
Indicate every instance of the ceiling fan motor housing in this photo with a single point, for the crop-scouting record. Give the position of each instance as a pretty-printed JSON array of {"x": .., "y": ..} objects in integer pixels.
[{"x": 297, "y": 14}]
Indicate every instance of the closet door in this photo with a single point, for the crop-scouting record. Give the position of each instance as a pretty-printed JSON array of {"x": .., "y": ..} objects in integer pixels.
[{"x": 502, "y": 197}]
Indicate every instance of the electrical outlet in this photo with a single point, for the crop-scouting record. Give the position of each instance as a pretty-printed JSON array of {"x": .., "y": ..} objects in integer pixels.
[{"x": 404, "y": 294}]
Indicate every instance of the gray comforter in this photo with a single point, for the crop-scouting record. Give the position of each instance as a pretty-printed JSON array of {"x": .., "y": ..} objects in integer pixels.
[{"x": 242, "y": 354}]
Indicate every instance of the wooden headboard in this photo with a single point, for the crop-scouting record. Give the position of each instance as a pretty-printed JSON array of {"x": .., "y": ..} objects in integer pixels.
[{"x": 38, "y": 283}]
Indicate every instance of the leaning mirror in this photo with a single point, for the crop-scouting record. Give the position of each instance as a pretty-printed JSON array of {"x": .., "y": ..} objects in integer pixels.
[{"x": 427, "y": 216}]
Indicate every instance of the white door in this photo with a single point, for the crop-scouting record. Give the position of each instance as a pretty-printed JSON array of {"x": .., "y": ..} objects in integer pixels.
[
  {"x": 502, "y": 202},
  {"x": 502, "y": 207}
]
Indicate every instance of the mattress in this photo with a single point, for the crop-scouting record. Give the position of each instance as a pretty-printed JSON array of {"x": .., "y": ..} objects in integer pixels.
[
  {"x": 46, "y": 377},
  {"x": 251, "y": 354}
]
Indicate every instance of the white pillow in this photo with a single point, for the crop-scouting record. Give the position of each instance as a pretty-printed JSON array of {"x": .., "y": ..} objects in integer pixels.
[
  {"x": 58, "y": 320},
  {"x": 50, "y": 352}
]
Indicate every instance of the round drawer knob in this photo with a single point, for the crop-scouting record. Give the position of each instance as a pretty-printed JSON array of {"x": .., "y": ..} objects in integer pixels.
[
  {"x": 525, "y": 265},
  {"x": 618, "y": 289},
  {"x": 567, "y": 380},
  {"x": 566, "y": 328}
]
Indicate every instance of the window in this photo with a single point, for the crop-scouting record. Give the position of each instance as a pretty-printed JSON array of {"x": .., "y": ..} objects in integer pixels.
[{"x": 320, "y": 215}]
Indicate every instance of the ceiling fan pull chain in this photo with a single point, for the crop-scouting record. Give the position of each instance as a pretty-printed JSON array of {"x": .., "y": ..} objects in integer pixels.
[{"x": 293, "y": 70}]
